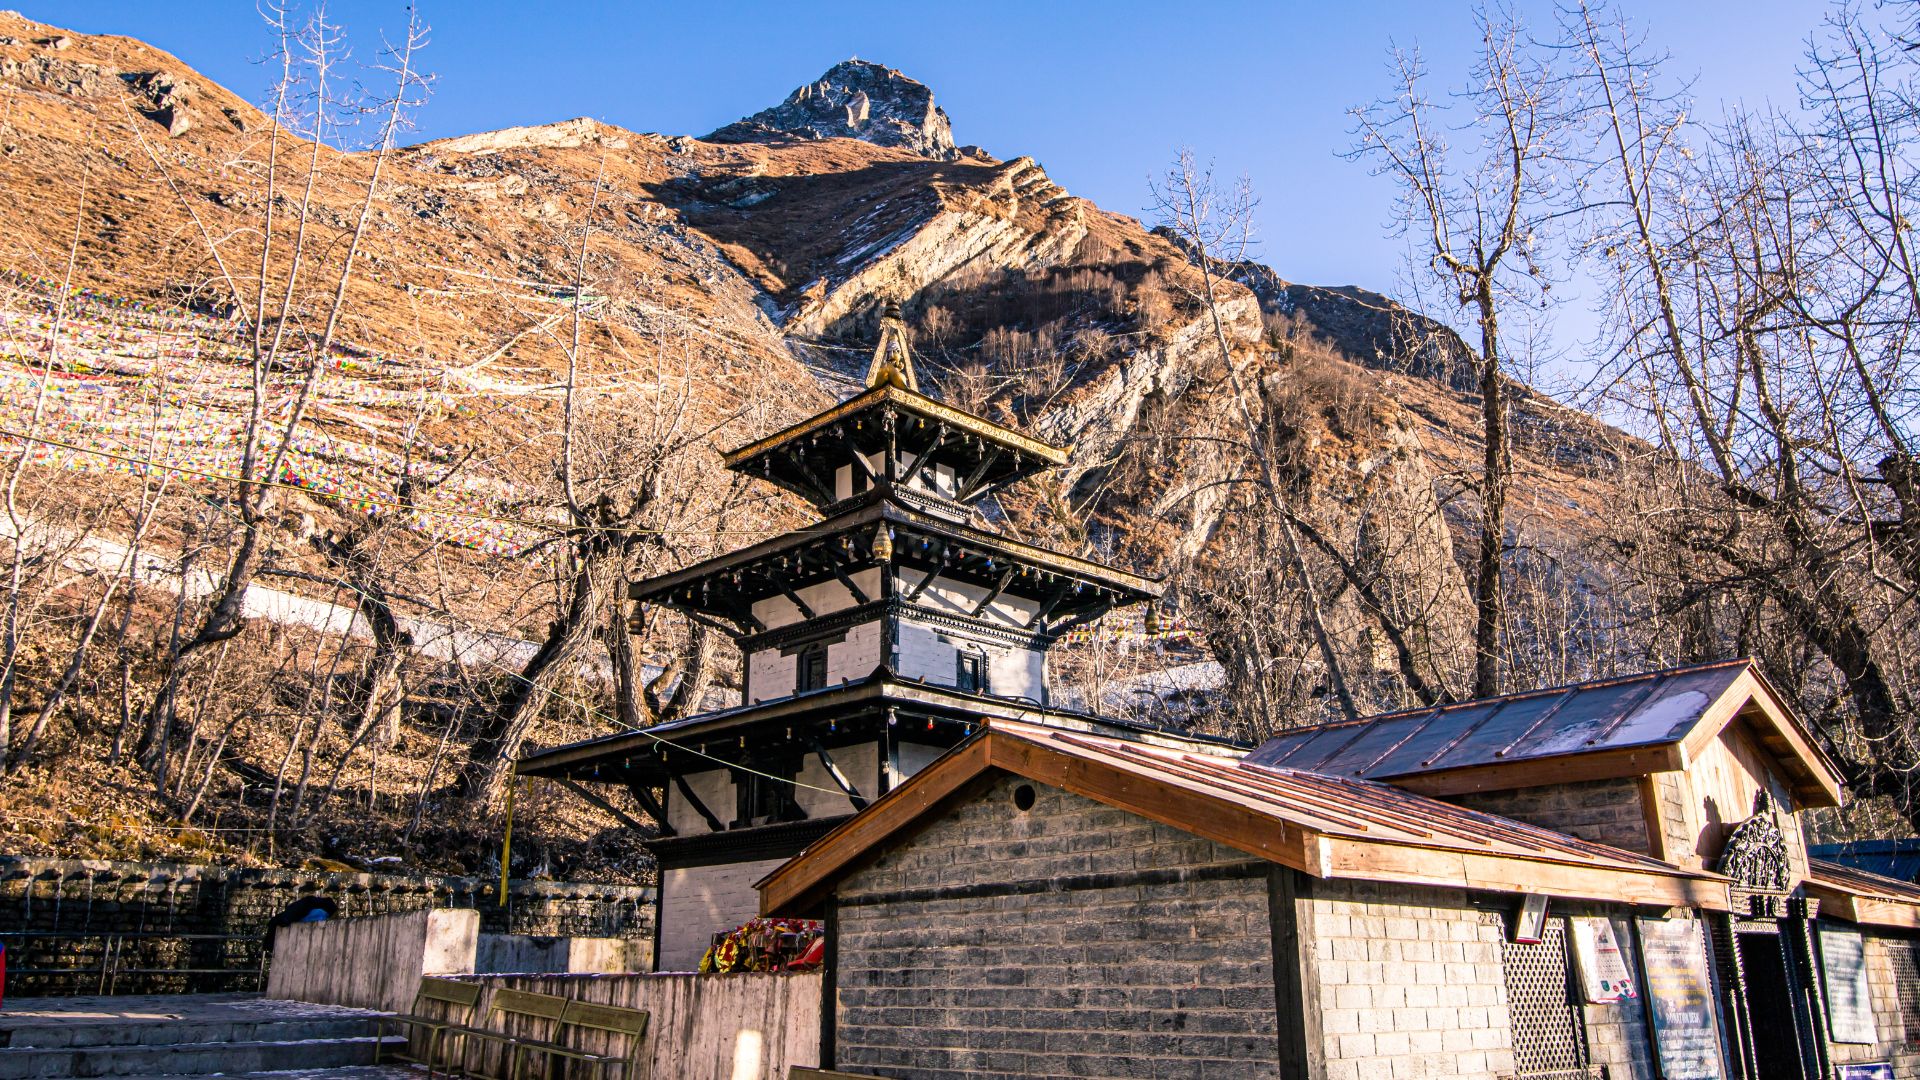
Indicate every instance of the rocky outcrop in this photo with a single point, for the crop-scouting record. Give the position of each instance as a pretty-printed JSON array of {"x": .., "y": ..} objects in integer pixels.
[
  {"x": 854, "y": 100},
  {"x": 1018, "y": 218},
  {"x": 580, "y": 131},
  {"x": 1359, "y": 324}
]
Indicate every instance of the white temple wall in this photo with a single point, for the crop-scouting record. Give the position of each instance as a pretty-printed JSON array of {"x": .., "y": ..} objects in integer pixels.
[
  {"x": 697, "y": 902},
  {"x": 855, "y": 656},
  {"x": 1012, "y": 671},
  {"x": 1017, "y": 673},
  {"x": 770, "y": 675},
  {"x": 823, "y": 597},
  {"x": 916, "y": 756}
]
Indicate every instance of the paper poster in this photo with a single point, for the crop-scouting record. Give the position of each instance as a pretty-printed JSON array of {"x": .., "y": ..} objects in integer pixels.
[
  {"x": 1843, "y": 966},
  {"x": 1686, "y": 1025},
  {"x": 1605, "y": 974}
]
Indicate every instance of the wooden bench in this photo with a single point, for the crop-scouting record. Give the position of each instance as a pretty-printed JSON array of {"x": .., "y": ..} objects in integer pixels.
[
  {"x": 557, "y": 1024},
  {"x": 450, "y": 995},
  {"x": 609, "y": 1022}
]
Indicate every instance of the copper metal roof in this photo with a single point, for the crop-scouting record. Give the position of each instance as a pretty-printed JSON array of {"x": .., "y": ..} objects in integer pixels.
[
  {"x": 1327, "y": 826},
  {"x": 1610, "y": 727},
  {"x": 1346, "y": 807}
]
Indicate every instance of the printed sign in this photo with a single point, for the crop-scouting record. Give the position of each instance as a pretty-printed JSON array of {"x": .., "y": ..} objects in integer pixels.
[
  {"x": 1604, "y": 972},
  {"x": 1870, "y": 1070},
  {"x": 1686, "y": 1026},
  {"x": 1843, "y": 965}
]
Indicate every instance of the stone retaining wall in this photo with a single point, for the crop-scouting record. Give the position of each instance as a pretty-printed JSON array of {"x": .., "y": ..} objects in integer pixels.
[{"x": 92, "y": 918}]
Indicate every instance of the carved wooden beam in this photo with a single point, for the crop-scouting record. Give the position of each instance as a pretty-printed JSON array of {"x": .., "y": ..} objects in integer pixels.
[
  {"x": 939, "y": 560},
  {"x": 859, "y": 594},
  {"x": 853, "y": 451},
  {"x": 1000, "y": 586},
  {"x": 920, "y": 461},
  {"x": 652, "y": 806},
  {"x": 977, "y": 476},
  {"x": 625, "y": 818},
  {"x": 686, "y": 792},
  {"x": 1049, "y": 605},
  {"x": 853, "y": 794}
]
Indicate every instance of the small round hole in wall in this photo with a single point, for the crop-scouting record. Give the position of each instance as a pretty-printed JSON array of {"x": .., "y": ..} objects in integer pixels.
[{"x": 1023, "y": 797}]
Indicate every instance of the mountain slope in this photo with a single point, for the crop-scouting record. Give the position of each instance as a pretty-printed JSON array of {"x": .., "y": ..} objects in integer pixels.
[{"x": 735, "y": 278}]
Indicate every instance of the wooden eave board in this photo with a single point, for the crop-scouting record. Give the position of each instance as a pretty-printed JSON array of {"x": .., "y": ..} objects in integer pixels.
[
  {"x": 1297, "y": 828},
  {"x": 1780, "y": 732},
  {"x": 1863, "y": 897},
  {"x": 906, "y": 401}
]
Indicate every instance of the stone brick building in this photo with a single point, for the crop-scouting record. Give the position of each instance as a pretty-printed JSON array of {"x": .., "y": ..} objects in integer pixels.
[{"x": 1606, "y": 879}]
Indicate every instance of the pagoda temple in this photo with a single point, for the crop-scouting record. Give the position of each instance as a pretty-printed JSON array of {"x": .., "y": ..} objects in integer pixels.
[{"x": 871, "y": 642}]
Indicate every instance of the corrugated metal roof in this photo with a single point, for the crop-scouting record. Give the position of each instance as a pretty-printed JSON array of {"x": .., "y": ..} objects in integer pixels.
[
  {"x": 1897, "y": 859},
  {"x": 1642, "y": 710},
  {"x": 1340, "y": 806}
]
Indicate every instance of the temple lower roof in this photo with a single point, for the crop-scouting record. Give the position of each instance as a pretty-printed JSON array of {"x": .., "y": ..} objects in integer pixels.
[{"x": 697, "y": 742}]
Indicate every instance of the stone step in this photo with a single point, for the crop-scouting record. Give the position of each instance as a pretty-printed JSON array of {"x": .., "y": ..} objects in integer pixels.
[
  {"x": 187, "y": 1059},
  {"x": 335, "y": 1073},
  {"x": 55, "y": 1036}
]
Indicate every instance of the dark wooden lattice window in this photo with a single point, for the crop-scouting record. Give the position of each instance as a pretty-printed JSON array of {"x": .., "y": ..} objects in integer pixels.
[
  {"x": 970, "y": 671},
  {"x": 1549, "y": 1040},
  {"x": 810, "y": 669},
  {"x": 1906, "y": 981}
]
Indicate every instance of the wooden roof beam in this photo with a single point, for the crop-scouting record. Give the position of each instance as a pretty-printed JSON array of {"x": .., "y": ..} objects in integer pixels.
[
  {"x": 977, "y": 478},
  {"x": 920, "y": 460},
  {"x": 1000, "y": 586}
]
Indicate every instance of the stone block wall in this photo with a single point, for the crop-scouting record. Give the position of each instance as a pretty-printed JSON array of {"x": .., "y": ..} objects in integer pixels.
[
  {"x": 1411, "y": 983},
  {"x": 1070, "y": 939},
  {"x": 1603, "y": 811},
  {"x": 180, "y": 928}
]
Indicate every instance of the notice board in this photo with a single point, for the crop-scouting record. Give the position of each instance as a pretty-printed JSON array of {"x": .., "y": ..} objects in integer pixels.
[
  {"x": 1843, "y": 965},
  {"x": 1686, "y": 1025}
]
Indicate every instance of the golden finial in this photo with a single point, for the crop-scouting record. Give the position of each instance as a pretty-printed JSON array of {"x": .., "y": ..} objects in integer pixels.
[{"x": 892, "y": 359}]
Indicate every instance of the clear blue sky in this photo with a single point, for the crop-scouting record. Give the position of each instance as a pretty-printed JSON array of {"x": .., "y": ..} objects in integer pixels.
[{"x": 1101, "y": 94}]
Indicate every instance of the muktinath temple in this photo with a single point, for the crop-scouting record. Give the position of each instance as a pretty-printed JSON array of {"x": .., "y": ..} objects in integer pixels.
[{"x": 1607, "y": 879}]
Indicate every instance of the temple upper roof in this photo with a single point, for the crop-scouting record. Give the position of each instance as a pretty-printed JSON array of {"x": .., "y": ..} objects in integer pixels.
[{"x": 892, "y": 433}]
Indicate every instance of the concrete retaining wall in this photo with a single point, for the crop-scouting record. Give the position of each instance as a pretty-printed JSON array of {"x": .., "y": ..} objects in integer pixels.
[
  {"x": 746, "y": 1026},
  {"x": 372, "y": 963},
  {"x": 529, "y": 954}
]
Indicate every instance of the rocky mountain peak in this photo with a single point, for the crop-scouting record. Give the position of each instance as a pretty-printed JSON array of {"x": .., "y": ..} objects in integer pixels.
[{"x": 855, "y": 99}]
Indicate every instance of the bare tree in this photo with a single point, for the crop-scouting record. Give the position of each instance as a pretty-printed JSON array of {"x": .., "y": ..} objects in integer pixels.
[
  {"x": 1479, "y": 218},
  {"x": 1216, "y": 227},
  {"x": 1764, "y": 313}
]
